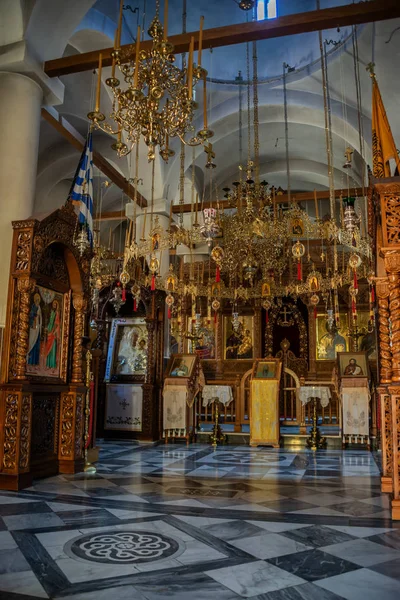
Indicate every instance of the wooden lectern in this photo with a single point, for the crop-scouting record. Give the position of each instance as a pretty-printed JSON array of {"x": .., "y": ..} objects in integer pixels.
[{"x": 264, "y": 402}]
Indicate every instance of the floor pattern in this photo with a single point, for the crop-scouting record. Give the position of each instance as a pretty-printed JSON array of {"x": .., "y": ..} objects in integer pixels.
[{"x": 164, "y": 522}]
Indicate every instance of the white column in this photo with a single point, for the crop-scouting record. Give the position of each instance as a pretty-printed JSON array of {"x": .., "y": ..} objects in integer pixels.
[{"x": 20, "y": 104}]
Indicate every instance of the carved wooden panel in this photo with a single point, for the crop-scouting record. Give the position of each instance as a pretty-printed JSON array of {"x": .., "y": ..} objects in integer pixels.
[
  {"x": 10, "y": 432},
  {"x": 385, "y": 352},
  {"x": 66, "y": 445},
  {"x": 25, "y": 432},
  {"x": 395, "y": 409},
  {"x": 386, "y": 432},
  {"x": 390, "y": 210},
  {"x": 394, "y": 307},
  {"x": 52, "y": 264},
  {"x": 45, "y": 418},
  {"x": 23, "y": 250},
  {"x": 297, "y": 318},
  {"x": 79, "y": 422}
]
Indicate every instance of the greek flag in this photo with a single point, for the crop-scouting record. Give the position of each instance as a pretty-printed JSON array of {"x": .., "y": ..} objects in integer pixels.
[{"x": 82, "y": 188}]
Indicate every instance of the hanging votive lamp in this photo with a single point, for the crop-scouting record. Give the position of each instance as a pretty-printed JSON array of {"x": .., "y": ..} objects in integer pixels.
[{"x": 298, "y": 251}]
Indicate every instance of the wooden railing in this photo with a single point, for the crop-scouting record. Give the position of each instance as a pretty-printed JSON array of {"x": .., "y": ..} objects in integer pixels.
[{"x": 237, "y": 413}]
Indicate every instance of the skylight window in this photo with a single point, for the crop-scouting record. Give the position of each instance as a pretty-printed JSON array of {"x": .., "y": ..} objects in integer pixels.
[{"x": 266, "y": 9}]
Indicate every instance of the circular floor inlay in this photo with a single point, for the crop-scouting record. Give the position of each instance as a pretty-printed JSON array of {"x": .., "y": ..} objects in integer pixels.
[{"x": 123, "y": 547}]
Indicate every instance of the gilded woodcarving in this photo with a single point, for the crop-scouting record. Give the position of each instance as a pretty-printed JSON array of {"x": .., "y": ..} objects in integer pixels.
[
  {"x": 66, "y": 449},
  {"x": 394, "y": 308},
  {"x": 25, "y": 286},
  {"x": 387, "y": 442},
  {"x": 25, "y": 431},
  {"x": 385, "y": 352},
  {"x": 79, "y": 304},
  {"x": 23, "y": 252},
  {"x": 395, "y": 412},
  {"x": 297, "y": 317},
  {"x": 78, "y": 425},
  {"x": 10, "y": 432}
]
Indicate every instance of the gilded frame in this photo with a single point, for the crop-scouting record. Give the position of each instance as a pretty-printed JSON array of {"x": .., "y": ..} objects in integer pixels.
[
  {"x": 113, "y": 346},
  {"x": 248, "y": 324},
  {"x": 189, "y": 362},
  {"x": 64, "y": 338},
  {"x": 261, "y": 363},
  {"x": 361, "y": 364}
]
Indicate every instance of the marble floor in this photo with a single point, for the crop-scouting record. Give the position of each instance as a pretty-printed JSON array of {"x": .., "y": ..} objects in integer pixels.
[{"x": 167, "y": 522}]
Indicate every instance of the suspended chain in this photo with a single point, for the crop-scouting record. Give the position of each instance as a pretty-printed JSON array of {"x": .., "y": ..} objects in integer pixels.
[
  {"x": 359, "y": 103},
  {"x": 182, "y": 183},
  {"x": 255, "y": 115},
  {"x": 248, "y": 102},
  {"x": 285, "y": 66}
]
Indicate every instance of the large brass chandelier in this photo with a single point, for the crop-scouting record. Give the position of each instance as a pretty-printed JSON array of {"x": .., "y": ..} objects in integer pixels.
[{"x": 154, "y": 100}]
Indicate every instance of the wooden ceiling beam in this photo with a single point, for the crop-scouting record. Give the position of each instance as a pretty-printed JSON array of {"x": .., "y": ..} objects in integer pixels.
[
  {"x": 314, "y": 20},
  {"x": 73, "y": 136},
  {"x": 282, "y": 199},
  {"x": 113, "y": 215}
]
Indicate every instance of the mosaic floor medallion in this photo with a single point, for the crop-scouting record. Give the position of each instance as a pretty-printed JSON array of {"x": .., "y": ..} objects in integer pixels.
[{"x": 122, "y": 547}]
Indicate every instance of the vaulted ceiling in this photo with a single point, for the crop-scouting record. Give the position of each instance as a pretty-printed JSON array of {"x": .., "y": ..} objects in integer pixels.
[{"x": 53, "y": 30}]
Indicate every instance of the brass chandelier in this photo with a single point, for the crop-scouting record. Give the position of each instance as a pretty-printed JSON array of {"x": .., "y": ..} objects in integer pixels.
[{"x": 155, "y": 99}]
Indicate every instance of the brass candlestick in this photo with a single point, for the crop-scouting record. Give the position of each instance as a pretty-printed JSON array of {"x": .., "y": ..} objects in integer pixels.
[
  {"x": 89, "y": 468},
  {"x": 217, "y": 436},
  {"x": 315, "y": 441}
]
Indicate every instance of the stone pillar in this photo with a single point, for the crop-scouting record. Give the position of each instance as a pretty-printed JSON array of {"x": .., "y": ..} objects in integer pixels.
[
  {"x": 384, "y": 351},
  {"x": 20, "y": 104}
]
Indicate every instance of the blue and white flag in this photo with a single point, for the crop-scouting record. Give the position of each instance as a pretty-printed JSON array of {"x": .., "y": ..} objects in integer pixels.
[{"x": 82, "y": 188}]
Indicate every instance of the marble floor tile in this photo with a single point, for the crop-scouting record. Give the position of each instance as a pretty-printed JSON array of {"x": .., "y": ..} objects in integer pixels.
[
  {"x": 12, "y": 561},
  {"x": 56, "y": 538},
  {"x": 390, "y": 539},
  {"x": 305, "y": 591},
  {"x": 199, "y": 586},
  {"x": 363, "y": 552},
  {"x": 33, "y": 521},
  {"x": 318, "y": 536},
  {"x": 360, "y": 532},
  {"x": 16, "y": 499},
  {"x": 80, "y": 571},
  {"x": 254, "y": 578},
  {"x": 234, "y": 530},
  {"x": 122, "y": 592},
  {"x": 202, "y": 521},
  {"x": 261, "y": 523},
  {"x": 288, "y": 505},
  {"x": 313, "y": 565},
  {"x": 269, "y": 545},
  {"x": 278, "y": 527},
  {"x": 390, "y": 569},
  {"x": 319, "y": 511},
  {"x": 24, "y": 583},
  {"x": 7, "y": 541},
  {"x": 196, "y": 552},
  {"x": 362, "y": 585},
  {"x": 356, "y": 509}
]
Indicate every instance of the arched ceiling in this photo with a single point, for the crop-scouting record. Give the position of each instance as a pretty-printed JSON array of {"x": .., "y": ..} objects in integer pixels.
[{"x": 89, "y": 25}]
